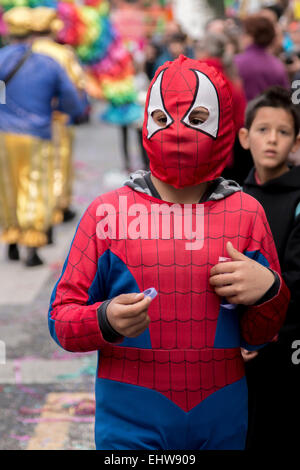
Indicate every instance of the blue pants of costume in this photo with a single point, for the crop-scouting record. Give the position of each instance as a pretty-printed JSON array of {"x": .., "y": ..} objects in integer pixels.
[{"x": 136, "y": 418}]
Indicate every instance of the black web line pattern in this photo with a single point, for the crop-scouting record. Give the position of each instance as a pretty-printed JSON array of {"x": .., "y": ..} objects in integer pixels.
[
  {"x": 199, "y": 376},
  {"x": 91, "y": 238}
]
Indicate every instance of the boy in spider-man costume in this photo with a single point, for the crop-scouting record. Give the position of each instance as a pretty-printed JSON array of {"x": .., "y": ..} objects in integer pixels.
[{"x": 170, "y": 373}]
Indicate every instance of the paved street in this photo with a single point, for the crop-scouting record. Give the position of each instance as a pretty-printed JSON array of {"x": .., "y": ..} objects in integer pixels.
[{"x": 46, "y": 393}]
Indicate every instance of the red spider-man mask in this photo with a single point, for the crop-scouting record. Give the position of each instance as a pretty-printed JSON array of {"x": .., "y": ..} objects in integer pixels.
[{"x": 184, "y": 151}]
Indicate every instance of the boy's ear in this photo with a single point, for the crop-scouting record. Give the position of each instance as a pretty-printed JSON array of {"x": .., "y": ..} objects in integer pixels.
[
  {"x": 296, "y": 144},
  {"x": 243, "y": 137}
]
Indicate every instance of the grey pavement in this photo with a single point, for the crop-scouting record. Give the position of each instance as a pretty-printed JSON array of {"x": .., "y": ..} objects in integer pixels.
[{"x": 46, "y": 394}]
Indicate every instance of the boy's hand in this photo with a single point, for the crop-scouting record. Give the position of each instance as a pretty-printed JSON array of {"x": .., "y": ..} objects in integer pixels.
[
  {"x": 248, "y": 355},
  {"x": 242, "y": 280},
  {"x": 128, "y": 314}
]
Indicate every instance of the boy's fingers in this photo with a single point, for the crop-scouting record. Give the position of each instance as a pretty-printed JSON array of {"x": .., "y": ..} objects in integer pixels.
[
  {"x": 223, "y": 268},
  {"x": 135, "y": 321},
  {"x": 235, "y": 254},
  {"x": 233, "y": 300},
  {"x": 127, "y": 299},
  {"x": 132, "y": 310},
  {"x": 227, "y": 291},
  {"x": 138, "y": 328},
  {"x": 136, "y": 332},
  {"x": 221, "y": 280},
  {"x": 229, "y": 266},
  {"x": 248, "y": 355},
  {"x": 144, "y": 322}
]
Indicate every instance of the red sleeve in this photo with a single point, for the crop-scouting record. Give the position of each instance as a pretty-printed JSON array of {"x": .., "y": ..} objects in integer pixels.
[
  {"x": 260, "y": 323},
  {"x": 73, "y": 321}
]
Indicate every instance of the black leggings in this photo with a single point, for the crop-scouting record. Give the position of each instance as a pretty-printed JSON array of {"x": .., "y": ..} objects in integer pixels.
[{"x": 144, "y": 156}]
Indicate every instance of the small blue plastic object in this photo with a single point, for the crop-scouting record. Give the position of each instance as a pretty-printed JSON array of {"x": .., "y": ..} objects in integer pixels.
[{"x": 151, "y": 292}]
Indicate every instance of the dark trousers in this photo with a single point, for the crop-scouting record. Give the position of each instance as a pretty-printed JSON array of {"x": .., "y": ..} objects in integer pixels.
[{"x": 274, "y": 397}]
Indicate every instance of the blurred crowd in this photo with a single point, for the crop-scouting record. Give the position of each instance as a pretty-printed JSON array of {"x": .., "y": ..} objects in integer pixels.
[{"x": 254, "y": 52}]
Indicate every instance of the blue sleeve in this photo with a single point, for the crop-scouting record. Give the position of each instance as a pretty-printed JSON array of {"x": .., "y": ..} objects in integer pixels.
[{"x": 70, "y": 100}]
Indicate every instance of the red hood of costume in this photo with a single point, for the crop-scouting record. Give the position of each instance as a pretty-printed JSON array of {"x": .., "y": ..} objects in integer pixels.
[{"x": 183, "y": 153}]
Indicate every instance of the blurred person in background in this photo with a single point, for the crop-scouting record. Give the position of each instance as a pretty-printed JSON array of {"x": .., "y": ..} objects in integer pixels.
[
  {"x": 141, "y": 83},
  {"x": 215, "y": 26},
  {"x": 274, "y": 13},
  {"x": 272, "y": 133},
  {"x": 212, "y": 50},
  {"x": 177, "y": 44},
  {"x": 233, "y": 30},
  {"x": 171, "y": 28},
  {"x": 283, "y": 45},
  {"x": 152, "y": 52},
  {"x": 43, "y": 23},
  {"x": 257, "y": 67},
  {"x": 294, "y": 33},
  {"x": 291, "y": 56},
  {"x": 33, "y": 82}
]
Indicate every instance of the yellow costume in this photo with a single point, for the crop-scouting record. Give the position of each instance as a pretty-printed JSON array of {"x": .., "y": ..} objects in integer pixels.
[
  {"x": 26, "y": 165},
  {"x": 44, "y": 20},
  {"x": 26, "y": 195},
  {"x": 18, "y": 21}
]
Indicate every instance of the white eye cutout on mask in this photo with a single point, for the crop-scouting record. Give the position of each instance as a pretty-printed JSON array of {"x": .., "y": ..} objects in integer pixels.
[
  {"x": 206, "y": 96},
  {"x": 156, "y": 103}
]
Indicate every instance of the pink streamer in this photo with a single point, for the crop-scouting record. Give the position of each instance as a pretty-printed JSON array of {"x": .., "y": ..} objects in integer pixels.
[
  {"x": 56, "y": 420},
  {"x": 19, "y": 438},
  {"x": 30, "y": 411}
]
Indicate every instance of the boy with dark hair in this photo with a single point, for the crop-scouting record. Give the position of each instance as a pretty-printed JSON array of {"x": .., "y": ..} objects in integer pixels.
[
  {"x": 170, "y": 372},
  {"x": 271, "y": 133}
]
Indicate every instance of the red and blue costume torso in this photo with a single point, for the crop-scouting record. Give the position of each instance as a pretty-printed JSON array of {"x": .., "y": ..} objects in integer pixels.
[{"x": 180, "y": 384}]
